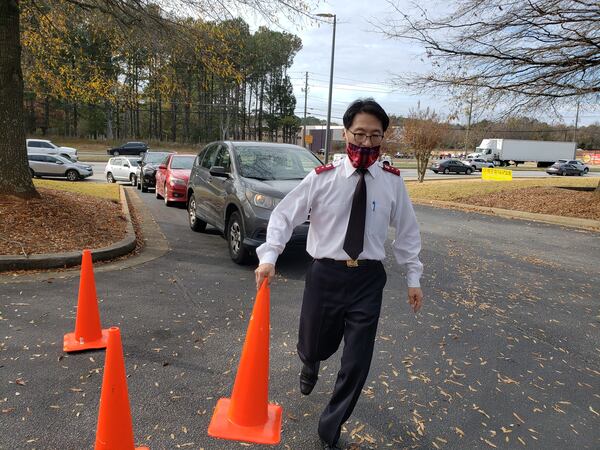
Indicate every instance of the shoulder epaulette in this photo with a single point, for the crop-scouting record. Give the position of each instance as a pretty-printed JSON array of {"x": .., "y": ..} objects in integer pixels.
[
  {"x": 324, "y": 168},
  {"x": 391, "y": 169}
]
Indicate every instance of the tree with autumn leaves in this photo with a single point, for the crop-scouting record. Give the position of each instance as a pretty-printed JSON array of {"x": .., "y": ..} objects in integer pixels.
[
  {"x": 423, "y": 131},
  {"x": 134, "y": 69}
]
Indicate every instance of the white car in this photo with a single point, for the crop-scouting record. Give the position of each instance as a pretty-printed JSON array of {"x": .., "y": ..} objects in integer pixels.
[
  {"x": 575, "y": 162},
  {"x": 122, "y": 169},
  {"x": 478, "y": 163},
  {"x": 48, "y": 148}
]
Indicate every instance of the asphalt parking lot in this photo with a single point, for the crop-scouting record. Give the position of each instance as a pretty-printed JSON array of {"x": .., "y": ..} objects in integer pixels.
[{"x": 505, "y": 353}]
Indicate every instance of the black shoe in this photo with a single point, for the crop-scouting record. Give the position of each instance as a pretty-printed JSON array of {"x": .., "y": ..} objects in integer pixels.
[
  {"x": 326, "y": 446},
  {"x": 308, "y": 377}
]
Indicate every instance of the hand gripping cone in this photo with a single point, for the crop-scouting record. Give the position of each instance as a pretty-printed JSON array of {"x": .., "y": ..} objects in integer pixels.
[
  {"x": 247, "y": 416},
  {"x": 115, "y": 431},
  {"x": 88, "y": 331}
]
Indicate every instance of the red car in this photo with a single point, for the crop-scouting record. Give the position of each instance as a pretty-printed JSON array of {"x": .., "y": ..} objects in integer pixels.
[{"x": 172, "y": 178}]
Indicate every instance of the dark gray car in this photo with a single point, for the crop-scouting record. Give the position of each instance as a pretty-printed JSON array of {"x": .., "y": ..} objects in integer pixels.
[{"x": 234, "y": 186}]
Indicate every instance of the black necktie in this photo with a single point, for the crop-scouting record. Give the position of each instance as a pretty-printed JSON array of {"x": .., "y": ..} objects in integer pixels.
[{"x": 355, "y": 233}]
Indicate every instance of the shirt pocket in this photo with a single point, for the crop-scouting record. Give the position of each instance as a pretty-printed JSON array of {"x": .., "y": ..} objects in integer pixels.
[{"x": 378, "y": 219}]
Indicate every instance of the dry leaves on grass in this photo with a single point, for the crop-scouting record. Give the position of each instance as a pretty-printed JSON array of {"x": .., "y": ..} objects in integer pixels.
[
  {"x": 542, "y": 200},
  {"x": 59, "y": 221}
]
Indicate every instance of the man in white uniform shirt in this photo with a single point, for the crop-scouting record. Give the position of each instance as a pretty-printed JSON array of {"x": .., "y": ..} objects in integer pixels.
[{"x": 351, "y": 202}]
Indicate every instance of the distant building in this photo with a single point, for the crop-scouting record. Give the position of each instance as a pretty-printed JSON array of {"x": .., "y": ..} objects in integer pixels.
[{"x": 318, "y": 136}]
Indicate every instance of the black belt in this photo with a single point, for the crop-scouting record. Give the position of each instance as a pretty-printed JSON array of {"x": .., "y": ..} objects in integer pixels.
[{"x": 350, "y": 262}]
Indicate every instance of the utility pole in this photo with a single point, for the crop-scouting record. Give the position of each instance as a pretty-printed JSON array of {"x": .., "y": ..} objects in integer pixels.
[
  {"x": 468, "y": 124},
  {"x": 328, "y": 129},
  {"x": 305, "y": 99},
  {"x": 576, "y": 123}
]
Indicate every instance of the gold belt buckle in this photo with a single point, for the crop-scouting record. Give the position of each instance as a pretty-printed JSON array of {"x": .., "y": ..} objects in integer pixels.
[{"x": 352, "y": 262}]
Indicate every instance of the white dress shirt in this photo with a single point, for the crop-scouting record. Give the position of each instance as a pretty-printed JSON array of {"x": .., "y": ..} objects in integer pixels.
[{"x": 328, "y": 198}]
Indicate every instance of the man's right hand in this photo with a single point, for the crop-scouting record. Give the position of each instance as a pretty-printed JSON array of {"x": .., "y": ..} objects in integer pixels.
[{"x": 262, "y": 272}]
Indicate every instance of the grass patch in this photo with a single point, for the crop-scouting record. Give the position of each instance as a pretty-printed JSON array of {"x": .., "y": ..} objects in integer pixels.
[
  {"x": 458, "y": 189},
  {"x": 101, "y": 190}
]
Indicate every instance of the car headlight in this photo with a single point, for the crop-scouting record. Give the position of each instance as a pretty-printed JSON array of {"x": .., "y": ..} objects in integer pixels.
[
  {"x": 262, "y": 200},
  {"x": 178, "y": 181}
]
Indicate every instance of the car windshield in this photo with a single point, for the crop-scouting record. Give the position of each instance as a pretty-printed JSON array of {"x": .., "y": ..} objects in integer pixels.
[
  {"x": 133, "y": 161},
  {"x": 68, "y": 158},
  {"x": 182, "y": 162},
  {"x": 155, "y": 157},
  {"x": 275, "y": 163},
  {"x": 63, "y": 159}
]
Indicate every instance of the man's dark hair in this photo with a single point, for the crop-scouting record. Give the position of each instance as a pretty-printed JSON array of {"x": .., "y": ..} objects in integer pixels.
[{"x": 368, "y": 106}]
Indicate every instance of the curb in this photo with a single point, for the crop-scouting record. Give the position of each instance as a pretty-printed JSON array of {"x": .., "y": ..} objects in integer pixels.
[
  {"x": 572, "y": 222},
  {"x": 61, "y": 260}
]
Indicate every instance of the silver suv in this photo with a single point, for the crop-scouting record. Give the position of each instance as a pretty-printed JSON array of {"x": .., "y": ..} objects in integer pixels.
[{"x": 57, "y": 166}]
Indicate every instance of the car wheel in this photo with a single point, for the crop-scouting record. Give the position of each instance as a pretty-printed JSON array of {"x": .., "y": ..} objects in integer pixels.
[
  {"x": 110, "y": 178},
  {"x": 446, "y": 171},
  {"x": 133, "y": 179},
  {"x": 474, "y": 168},
  {"x": 580, "y": 174},
  {"x": 138, "y": 183},
  {"x": 468, "y": 171},
  {"x": 586, "y": 170},
  {"x": 564, "y": 173},
  {"x": 115, "y": 153},
  {"x": 72, "y": 175},
  {"x": 235, "y": 239},
  {"x": 195, "y": 223},
  {"x": 142, "y": 186},
  {"x": 166, "y": 196}
]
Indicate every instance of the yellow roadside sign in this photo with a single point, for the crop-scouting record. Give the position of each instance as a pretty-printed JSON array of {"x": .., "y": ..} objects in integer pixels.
[
  {"x": 496, "y": 174},
  {"x": 308, "y": 139}
]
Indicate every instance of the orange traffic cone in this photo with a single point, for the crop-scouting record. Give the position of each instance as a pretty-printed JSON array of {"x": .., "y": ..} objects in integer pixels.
[
  {"x": 247, "y": 416},
  {"x": 88, "y": 331},
  {"x": 114, "y": 431}
]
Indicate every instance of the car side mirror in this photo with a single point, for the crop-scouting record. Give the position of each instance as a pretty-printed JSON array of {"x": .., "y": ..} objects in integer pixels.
[
  {"x": 162, "y": 167},
  {"x": 139, "y": 163},
  {"x": 59, "y": 162},
  {"x": 218, "y": 171}
]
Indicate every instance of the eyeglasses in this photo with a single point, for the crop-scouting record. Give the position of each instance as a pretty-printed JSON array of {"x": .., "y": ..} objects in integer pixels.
[{"x": 362, "y": 137}]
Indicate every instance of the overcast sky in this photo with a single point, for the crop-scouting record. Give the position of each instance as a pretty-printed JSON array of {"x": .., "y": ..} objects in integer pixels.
[{"x": 365, "y": 62}]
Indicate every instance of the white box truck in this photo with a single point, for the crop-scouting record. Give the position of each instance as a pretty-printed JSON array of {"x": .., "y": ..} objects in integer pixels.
[{"x": 503, "y": 152}]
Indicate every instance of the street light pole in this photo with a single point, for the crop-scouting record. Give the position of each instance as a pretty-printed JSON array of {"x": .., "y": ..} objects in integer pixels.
[{"x": 328, "y": 129}]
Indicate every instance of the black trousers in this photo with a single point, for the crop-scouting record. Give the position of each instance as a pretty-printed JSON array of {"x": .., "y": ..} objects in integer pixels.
[{"x": 338, "y": 302}]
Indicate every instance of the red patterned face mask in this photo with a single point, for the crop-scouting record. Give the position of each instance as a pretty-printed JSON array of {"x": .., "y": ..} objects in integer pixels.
[{"x": 362, "y": 157}]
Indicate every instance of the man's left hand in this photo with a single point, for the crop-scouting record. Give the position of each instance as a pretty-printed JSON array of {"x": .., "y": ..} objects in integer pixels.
[{"x": 415, "y": 298}]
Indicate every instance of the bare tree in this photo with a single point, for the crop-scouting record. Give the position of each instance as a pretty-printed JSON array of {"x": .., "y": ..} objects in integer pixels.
[
  {"x": 532, "y": 54},
  {"x": 524, "y": 55},
  {"x": 423, "y": 131}
]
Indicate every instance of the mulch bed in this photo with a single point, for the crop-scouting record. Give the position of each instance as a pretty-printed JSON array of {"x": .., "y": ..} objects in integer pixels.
[
  {"x": 542, "y": 200},
  {"x": 59, "y": 222}
]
